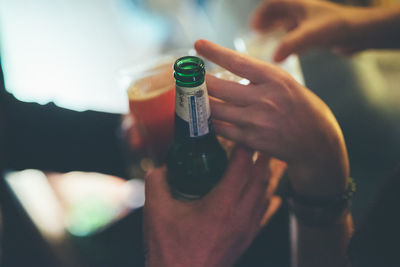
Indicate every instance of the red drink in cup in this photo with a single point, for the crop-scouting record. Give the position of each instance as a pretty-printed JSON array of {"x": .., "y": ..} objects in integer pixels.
[{"x": 151, "y": 102}]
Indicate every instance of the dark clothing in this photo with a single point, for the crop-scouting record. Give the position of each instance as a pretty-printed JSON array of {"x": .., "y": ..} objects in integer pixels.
[
  {"x": 376, "y": 242},
  {"x": 47, "y": 137}
]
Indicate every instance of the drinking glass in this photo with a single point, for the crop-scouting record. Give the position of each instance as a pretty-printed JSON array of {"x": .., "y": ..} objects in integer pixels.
[
  {"x": 150, "y": 88},
  {"x": 263, "y": 46}
]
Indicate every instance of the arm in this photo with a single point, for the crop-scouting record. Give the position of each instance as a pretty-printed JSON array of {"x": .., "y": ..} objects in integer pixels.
[
  {"x": 278, "y": 116},
  {"x": 52, "y": 138},
  {"x": 326, "y": 246},
  {"x": 47, "y": 137},
  {"x": 323, "y": 24}
]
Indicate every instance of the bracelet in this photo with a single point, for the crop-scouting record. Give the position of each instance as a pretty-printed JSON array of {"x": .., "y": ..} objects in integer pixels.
[{"x": 319, "y": 211}]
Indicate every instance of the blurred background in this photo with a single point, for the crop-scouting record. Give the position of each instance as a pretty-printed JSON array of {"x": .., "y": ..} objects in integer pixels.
[
  {"x": 67, "y": 51},
  {"x": 62, "y": 57}
]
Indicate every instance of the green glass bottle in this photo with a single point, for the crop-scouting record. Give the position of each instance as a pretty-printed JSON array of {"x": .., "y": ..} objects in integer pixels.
[{"x": 196, "y": 161}]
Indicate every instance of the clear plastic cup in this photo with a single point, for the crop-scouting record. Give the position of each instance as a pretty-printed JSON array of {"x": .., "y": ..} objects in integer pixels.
[
  {"x": 263, "y": 47},
  {"x": 149, "y": 84}
]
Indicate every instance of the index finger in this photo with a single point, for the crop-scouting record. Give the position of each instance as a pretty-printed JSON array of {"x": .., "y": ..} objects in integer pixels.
[
  {"x": 229, "y": 91},
  {"x": 252, "y": 69}
]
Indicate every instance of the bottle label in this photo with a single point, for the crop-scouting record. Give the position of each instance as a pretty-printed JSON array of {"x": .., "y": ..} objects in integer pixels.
[{"x": 192, "y": 106}]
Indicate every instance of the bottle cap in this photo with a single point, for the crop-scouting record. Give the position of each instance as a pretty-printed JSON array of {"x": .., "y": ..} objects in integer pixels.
[{"x": 189, "y": 71}]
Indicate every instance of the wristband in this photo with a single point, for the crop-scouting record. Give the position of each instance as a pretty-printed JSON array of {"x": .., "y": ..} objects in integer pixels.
[{"x": 319, "y": 211}]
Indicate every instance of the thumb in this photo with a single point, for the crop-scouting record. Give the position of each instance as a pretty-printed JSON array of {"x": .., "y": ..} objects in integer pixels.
[
  {"x": 308, "y": 35},
  {"x": 156, "y": 186},
  {"x": 235, "y": 178}
]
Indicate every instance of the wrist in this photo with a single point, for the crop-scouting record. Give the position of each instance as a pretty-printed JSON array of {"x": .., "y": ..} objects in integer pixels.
[
  {"x": 324, "y": 180},
  {"x": 323, "y": 174},
  {"x": 320, "y": 211}
]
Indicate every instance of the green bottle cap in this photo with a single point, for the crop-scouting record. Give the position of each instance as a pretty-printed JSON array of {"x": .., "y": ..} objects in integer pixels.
[{"x": 189, "y": 71}]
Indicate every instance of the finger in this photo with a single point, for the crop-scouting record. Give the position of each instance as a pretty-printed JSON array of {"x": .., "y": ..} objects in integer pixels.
[
  {"x": 258, "y": 182},
  {"x": 262, "y": 18},
  {"x": 306, "y": 36},
  {"x": 272, "y": 14},
  {"x": 230, "y": 91},
  {"x": 273, "y": 206},
  {"x": 229, "y": 113},
  {"x": 253, "y": 197},
  {"x": 227, "y": 145},
  {"x": 277, "y": 168},
  {"x": 237, "y": 63},
  {"x": 230, "y": 187},
  {"x": 156, "y": 186},
  {"x": 261, "y": 170},
  {"x": 229, "y": 131},
  {"x": 268, "y": 141},
  {"x": 294, "y": 42}
]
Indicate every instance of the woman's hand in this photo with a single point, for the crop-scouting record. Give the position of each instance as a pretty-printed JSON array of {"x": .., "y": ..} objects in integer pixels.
[
  {"x": 323, "y": 24},
  {"x": 278, "y": 116},
  {"x": 215, "y": 230}
]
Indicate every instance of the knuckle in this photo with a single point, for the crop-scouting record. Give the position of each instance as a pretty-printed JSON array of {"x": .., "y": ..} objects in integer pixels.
[
  {"x": 251, "y": 139},
  {"x": 247, "y": 116},
  {"x": 266, "y": 106},
  {"x": 280, "y": 77},
  {"x": 266, "y": 73},
  {"x": 263, "y": 126},
  {"x": 238, "y": 61},
  {"x": 260, "y": 119}
]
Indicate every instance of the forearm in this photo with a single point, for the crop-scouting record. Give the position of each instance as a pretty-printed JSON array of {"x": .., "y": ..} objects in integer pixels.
[
  {"x": 322, "y": 246},
  {"x": 379, "y": 29},
  {"x": 322, "y": 170},
  {"x": 51, "y": 138}
]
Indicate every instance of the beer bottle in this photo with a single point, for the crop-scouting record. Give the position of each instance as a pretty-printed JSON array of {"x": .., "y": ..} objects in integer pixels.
[{"x": 196, "y": 161}]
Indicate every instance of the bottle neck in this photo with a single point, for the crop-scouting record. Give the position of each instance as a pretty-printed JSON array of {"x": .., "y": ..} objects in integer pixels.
[
  {"x": 192, "y": 112},
  {"x": 189, "y": 83},
  {"x": 182, "y": 131}
]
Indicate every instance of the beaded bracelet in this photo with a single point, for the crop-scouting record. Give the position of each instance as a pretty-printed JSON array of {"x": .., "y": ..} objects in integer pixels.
[{"x": 319, "y": 211}]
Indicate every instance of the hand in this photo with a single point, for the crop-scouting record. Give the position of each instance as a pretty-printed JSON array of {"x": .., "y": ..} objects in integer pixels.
[
  {"x": 278, "y": 116},
  {"x": 323, "y": 24},
  {"x": 215, "y": 230}
]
